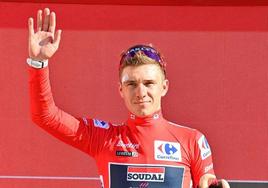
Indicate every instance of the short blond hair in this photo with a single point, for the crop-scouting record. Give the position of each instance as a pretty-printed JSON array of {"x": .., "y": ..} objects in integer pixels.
[{"x": 140, "y": 58}]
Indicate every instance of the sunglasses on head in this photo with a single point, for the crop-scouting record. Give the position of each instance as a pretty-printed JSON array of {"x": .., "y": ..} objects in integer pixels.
[{"x": 147, "y": 51}]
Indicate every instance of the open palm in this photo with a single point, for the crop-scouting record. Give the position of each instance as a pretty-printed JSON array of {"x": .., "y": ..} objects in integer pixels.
[{"x": 44, "y": 42}]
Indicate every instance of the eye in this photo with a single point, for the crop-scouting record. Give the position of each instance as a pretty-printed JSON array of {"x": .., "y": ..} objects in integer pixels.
[
  {"x": 149, "y": 84},
  {"x": 131, "y": 84}
]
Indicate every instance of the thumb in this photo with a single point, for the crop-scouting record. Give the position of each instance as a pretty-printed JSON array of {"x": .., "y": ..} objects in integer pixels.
[
  {"x": 225, "y": 184},
  {"x": 57, "y": 38}
]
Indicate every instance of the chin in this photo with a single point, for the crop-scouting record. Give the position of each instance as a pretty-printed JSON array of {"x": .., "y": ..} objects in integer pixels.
[{"x": 143, "y": 113}]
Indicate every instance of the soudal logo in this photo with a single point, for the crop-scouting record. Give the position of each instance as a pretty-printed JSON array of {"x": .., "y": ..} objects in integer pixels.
[
  {"x": 146, "y": 174},
  {"x": 167, "y": 151},
  {"x": 204, "y": 147}
]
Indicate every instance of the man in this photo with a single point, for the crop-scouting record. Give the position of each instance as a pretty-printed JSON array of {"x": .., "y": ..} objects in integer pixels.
[{"x": 145, "y": 151}]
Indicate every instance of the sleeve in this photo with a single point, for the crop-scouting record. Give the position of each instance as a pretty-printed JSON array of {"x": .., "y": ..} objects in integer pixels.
[
  {"x": 71, "y": 130},
  {"x": 201, "y": 156}
]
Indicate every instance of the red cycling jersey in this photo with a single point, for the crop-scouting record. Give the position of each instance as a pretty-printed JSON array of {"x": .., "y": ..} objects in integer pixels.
[{"x": 140, "y": 153}]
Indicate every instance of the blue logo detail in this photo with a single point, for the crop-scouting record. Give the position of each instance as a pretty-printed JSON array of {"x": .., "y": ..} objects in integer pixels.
[
  {"x": 170, "y": 149},
  {"x": 101, "y": 124},
  {"x": 204, "y": 147},
  {"x": 206, "y": 144}
]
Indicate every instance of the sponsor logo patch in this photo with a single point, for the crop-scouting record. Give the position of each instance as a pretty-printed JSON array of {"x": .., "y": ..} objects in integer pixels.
[
  {"x": 204, "y": 147},
  {"x": 122, "y": 175},
  {"x": 208, "y": 168},
  {"x": 101, "y": 124},
  {"x": 85, "y": 121},
  {"x": 146, "y": 174},
  {"x": 127, "y": 153},
  {"x": 167, "y": 151},
  {"x": 127, "y": 145},
  {"x": 144, "y": 185}
]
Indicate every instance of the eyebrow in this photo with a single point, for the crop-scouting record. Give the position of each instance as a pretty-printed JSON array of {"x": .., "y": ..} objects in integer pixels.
[
  {"x": 129, "y": 81},
  {"x": 133, "y": 81}
]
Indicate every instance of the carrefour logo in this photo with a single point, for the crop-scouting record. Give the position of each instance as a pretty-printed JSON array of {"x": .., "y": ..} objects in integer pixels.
[
  {"x": 167, "y": 151},
  {"x": 204, "y": 147}
]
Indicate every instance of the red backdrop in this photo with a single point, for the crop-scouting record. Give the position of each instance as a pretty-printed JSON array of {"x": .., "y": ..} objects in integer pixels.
[{"x": 217, "y": 65}]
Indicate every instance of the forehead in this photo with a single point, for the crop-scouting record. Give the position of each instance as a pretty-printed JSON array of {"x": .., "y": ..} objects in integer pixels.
[{"x": 141, "y": 72}]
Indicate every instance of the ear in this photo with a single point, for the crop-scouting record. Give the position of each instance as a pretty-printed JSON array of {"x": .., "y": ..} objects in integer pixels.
[
  {"x": 165, "y": 87},
  {"x": 120, "y": 89}
]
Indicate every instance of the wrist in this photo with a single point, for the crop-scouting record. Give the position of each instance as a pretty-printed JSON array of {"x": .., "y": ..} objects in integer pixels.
[{"x": 37, "y": 64}]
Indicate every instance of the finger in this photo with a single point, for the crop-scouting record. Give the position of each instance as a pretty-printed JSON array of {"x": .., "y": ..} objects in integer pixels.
[
  {"x": 39, "y": 20},
  {"x": 30, "y": 26},
  {"x": 52, "y": 22},
  {"x": 225, "y": 184},
  {"x": 46, "y": 19},
  {"x": 56, "y": 41}
]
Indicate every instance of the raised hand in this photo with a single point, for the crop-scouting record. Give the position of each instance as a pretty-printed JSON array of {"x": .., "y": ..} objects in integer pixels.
[
  {"x": 210, "y": 181},
  {"x": 43, "y": 43}
]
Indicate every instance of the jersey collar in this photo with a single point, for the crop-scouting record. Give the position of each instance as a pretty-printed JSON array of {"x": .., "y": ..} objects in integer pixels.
[{"x": 145, "y": 121}]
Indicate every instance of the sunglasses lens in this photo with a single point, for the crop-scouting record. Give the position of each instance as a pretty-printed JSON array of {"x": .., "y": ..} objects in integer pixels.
[{"x": 151, "y": 53}]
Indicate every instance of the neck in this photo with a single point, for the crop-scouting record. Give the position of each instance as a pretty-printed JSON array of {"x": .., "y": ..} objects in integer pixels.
[{"x": 145, "y": 121}]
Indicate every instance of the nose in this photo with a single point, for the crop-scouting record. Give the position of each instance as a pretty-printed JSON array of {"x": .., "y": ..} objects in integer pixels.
[{"x": 141, "y": 91}]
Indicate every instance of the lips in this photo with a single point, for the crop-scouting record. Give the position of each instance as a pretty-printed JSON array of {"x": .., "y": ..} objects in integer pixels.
[{"x": 141, "y": 102}]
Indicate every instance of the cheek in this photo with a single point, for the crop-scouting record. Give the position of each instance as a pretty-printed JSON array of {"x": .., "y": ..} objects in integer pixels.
[
  {"x": 126, "y": 94},
  {"x": 155, "y": 92},
  {"x": 156, "y": 96}
]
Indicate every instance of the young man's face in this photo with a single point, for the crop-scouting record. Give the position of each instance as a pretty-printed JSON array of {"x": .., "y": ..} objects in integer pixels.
[{"x": 142, "y": 88}]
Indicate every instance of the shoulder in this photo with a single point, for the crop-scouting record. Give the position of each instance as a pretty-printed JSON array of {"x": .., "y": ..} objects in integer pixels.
[
  {"x": 184, "y": 130},
  {"x": 99, "y": 124}
]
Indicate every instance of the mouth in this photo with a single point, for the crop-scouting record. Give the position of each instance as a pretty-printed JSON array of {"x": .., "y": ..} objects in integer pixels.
[{"x": 141, "y": 102}]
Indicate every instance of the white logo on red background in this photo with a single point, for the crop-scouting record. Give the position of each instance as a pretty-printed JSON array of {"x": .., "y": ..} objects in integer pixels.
[
  {"x": 167, "y": 151},
  {"x": 208, "y": 168},
  {"x": 127, "y": 145},
  {"x": 204, "y": 147}
]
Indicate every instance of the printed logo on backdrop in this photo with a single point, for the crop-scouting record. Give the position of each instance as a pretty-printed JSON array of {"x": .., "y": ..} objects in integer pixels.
[
  {"x": 204, "y": 147},
  {"x": 101, "y": 124},
  {"x": 167, "y": 151}
]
